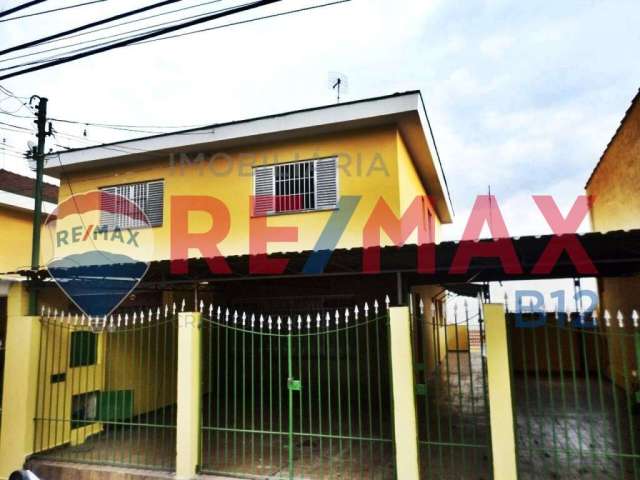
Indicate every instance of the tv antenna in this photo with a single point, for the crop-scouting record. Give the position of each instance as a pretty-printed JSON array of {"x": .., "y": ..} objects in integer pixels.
[{"x": 338, "y": 82}]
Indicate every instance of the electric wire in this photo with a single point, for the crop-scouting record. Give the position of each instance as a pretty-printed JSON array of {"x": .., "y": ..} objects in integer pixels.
[{"x": 52, "y": 10}]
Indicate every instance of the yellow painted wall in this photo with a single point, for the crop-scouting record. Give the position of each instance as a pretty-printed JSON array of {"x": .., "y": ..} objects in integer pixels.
[
  {"x": 15, "y": 231},
  {"x": 367, "y": 166},
  {"x": 614, "y": 186},
  {"x": 54, "y": 400},
  {"x": 457, "y": 338},
  {"x": 432, "y": 336},
  {"x": 410, "y": 186},
  {"x": 143, "y": 359}
]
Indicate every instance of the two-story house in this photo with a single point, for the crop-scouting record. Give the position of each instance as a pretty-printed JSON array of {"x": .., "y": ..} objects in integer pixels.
[
  {"x": 259, "y": 225},
  {"x": 297, "y": 181}
]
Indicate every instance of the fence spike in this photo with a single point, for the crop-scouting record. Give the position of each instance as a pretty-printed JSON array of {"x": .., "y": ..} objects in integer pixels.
[
  {"x": 201, "y": 306},
  {"x": 218, "y": 313},
  {"x": 607, "y": 318},
  {"x": 235, "y": 317},
  {"x": 279, "y": 322},
  {"x": 308, "y": 321},
  {"x": 211, "y": 310},
  {"x": 366, "y": 310},
  {"x": 55, "y": 312},
  {"x": 269, "y": 322},
  {"x": 346, "y": 316},
  {"x": 620, "y": 318},
  {"x": 594, "y": 317},
  {"x": 355, "y": 313},
  {"x": 182, "y": 305},
  {"x": 253, "y": 320},
  {"x": 375, "y": 306},
  {"x": 244, "y": 319},
  {"x": 261, "y": 322},
  {"x": 135, "y": 317},
  {"x": 48, "y": 311},
  {"x": 150, "y": 314},
  {"x": 337, "y": 317},
  {"x": 226, "y": 315},
  {"x": 289, "y": 322},
  {"x": 42, "y": 310},
  {"x": 166, "y": 311},
  {"x": 327, "y": 319},
  {"x": 387, "y": 301},
  {"x": 421, "y": 306},
  {"x": 119, "y": 320},
  {"x": 126, "y": 319},
  {"x": 104, "y": 322},
  {"x": 299, "y": 322},
  {"x": 317, "y": 320},
  {"x": 634, "y": 317},
  {"x": 173, "y": 308}
]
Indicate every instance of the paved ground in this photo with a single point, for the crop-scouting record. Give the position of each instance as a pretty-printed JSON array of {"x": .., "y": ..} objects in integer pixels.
[{"x": 588, "y": 421}]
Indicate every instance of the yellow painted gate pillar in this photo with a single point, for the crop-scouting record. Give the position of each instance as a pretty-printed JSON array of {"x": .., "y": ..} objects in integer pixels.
[
  {"x": 20, "y": 382},
  {"x": 404, "y": 401},
  {"x": 500, "y": 400},
  {"x": 189, "y": 391}
]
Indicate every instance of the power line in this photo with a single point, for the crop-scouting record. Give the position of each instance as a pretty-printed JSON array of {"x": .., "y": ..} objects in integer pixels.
[
  {"x": 231, "y": 24},
  {"x": 92, "y": 40},
  {"x": 52, "y": 10},
  {"x": 130, "y": 41},
  {"x": 17, "y": 8},
  {"x": 87, "y": 26},
  {"x": 128, "y": 22}
]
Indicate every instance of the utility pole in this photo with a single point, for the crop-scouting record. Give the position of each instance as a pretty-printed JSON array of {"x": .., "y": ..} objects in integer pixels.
[{"x": 38, "y": 155}]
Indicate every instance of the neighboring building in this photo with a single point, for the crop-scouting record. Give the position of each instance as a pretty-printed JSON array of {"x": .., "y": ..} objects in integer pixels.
[
  {"x": 16, "y": 218},
  {"x": 616, "y": 206},
  {"x": 16, "y": 226}
]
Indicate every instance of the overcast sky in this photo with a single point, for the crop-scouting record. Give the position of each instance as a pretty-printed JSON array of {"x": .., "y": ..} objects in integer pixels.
[{"x": 522, "y": 96}]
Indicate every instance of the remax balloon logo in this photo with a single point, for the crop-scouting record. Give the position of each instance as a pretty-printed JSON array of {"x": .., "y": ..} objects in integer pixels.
[{"x": 97, "y": 247}]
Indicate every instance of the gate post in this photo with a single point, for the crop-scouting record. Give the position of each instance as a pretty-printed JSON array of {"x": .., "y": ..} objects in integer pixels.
[
  {"x": 188, "y": 395},
  {"x": 20, "y": 382},
  {"x": 404, "y": 402},
  {"x": 503, "y": 443}
]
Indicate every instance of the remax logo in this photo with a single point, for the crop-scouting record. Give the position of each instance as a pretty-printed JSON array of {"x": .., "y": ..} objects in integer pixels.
[{"x": 99, "y": 248}]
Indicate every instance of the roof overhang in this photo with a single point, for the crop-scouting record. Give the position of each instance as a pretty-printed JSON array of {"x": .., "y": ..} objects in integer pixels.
[
  {"x": 613, "y": 254},
  {"x": 405, "y": 110},
  {"x": 22, "y": 202}
]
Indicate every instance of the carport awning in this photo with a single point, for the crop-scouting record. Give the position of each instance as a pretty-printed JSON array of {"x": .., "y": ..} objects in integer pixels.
[{"x": 613, "y": 254}]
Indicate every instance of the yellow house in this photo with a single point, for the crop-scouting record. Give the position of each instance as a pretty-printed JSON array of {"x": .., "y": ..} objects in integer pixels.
[
  {"x": 616, "y": 206},
  {"x": 338, "y": 177}
]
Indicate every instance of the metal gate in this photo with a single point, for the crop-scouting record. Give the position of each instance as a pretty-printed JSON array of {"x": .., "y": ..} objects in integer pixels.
[
  {"x": 451, "y": 390},
  {"x": 107, "y": 389},
  {"x": 300, "y": 396}
]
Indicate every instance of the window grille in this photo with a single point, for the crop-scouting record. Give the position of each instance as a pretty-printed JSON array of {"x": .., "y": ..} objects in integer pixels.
[
  {"x": 293, "y": 187},
  {"x": 119, "y": 206}
]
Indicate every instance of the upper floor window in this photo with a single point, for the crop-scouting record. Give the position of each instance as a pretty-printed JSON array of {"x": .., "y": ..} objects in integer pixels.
[
  {"x": 116, "y": 208},
  {"x": 296, "y": 187}
]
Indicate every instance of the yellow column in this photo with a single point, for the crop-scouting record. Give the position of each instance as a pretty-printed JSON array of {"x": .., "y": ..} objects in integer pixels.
[
  {"x": 500, "y": 404},
  {"x": 188, "y": 416},
  {"x": 20, "y": 382},
  {"x": 404, "y": 402}
]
